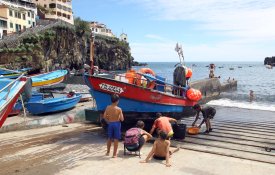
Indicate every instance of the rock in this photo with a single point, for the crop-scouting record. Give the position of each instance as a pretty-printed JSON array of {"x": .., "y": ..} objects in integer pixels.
[
  {"x": 58, "y": 44},
  {"x": 269, "y": 61}
]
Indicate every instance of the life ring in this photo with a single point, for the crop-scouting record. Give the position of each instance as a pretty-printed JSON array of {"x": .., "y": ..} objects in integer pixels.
[
  {"x": 151, "y": 84},
  {"x": 147, "y": 71},
  {"x": 193, "y": 94}
]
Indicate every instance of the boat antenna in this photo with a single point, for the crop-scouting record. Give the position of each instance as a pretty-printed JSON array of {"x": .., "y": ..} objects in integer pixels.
[{"x": 179, "y": 50}]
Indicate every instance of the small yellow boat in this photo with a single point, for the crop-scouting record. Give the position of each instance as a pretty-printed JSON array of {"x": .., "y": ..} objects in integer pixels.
[{"x": 49, "y": 78}]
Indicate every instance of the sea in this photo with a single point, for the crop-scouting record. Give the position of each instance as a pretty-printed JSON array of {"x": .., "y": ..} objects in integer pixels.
[{"x": 250, "y": 76}]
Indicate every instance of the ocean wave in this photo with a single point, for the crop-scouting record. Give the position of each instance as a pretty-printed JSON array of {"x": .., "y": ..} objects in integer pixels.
[{"x": 242, "y": 104}]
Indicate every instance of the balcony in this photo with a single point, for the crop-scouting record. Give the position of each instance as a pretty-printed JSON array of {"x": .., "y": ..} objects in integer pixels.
[{"x": 27, "y": 4}]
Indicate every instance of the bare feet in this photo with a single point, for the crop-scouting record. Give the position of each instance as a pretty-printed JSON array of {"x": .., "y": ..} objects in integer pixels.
[
  {"x": 177, "y": 149},
  {"x": 143, "y": 161},
  {"x": 107, "y": 154},
  {"x": 114, "y": 156}
]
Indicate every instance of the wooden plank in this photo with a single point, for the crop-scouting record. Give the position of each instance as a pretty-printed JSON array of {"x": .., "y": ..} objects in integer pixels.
[
  {"x": 230, "y": 146},
  {"x": 244, "y": 138},
  {"x": 238, "y": 134},
  {"x": 239, "y": 141},
  {"x": 226, "y": 152},
  {"x": 258, "y": 124}
]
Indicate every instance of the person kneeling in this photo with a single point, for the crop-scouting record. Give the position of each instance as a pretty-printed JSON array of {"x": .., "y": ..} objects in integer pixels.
[
  {"x": 160, "y": 150},
  {"x": 136, "y": 137}
]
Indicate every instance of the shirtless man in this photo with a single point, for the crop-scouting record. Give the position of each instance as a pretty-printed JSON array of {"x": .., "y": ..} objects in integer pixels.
[
  {"x": 162, "y": 123},
  {"x": 160, "y": 150},
  {"x": 113, "y": 116}
]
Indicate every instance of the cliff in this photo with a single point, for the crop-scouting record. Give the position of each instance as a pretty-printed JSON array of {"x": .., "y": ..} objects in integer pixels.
[
  {"x": 269, "y": 61},
  {"x": 57, "y": 44}
]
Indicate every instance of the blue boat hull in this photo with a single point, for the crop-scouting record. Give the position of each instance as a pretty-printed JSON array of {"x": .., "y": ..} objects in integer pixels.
[
  {"x": 52, "y": 105},
  {"x": 129, "y": 105}
]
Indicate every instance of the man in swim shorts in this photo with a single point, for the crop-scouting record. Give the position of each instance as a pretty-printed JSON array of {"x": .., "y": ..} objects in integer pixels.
[
  {"x": 208, "y": 113},
  {"x": 162, "y": 123},
  {"x": 113, "y": 116},
  {"x": 161, "y": 150}
]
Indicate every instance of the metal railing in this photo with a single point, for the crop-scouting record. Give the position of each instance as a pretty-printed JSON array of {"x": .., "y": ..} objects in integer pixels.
[
  {"x": 168, "y": 87},
  {"x": 8, "y": 86}
]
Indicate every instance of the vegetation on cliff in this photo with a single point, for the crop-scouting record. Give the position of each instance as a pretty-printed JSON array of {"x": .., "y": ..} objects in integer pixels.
[{"x": 67, "y": 46}]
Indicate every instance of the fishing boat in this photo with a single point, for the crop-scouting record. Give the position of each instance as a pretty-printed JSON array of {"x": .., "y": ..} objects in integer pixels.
[
  {"x": 143, "y": 93},
  {"x": 6, "y": 73},
  {"x": 40, "y": 105},
  {"x": 9, "y": 93},
  {"x": 49, "y": 78}
]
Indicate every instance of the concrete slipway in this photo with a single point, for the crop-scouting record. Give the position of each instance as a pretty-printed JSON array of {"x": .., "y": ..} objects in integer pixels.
[{"x": 235, "y": 147}]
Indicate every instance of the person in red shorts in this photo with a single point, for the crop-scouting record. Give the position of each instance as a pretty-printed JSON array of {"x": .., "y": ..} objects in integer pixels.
[{"x": 162, "y": 123}]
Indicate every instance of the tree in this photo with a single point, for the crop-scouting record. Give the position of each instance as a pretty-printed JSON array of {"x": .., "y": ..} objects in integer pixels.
[{"x": 81, "y": 26}]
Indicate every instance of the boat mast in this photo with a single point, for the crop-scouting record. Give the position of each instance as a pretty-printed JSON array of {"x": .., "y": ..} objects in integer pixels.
[{"x": 92, "y": 46}]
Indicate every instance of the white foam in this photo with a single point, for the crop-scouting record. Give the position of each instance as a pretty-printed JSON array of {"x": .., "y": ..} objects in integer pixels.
[{"x": 242, "y": 104}]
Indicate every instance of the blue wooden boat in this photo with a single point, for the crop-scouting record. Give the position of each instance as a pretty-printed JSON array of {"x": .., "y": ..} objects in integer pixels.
[
  {"x": 6, "y": 73},
  {"x": 40, "y": 105},
  {"x": 9, "y": 93},
  {"x": 49, "y": 78}
]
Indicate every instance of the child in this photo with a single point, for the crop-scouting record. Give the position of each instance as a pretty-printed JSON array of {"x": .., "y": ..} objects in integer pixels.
[
  {"x": 113, "y": 115},
  {"x": 160, "y": 150}
]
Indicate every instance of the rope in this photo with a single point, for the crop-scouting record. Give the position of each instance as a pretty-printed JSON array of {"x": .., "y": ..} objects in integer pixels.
[{"x": 24, "y": 109}]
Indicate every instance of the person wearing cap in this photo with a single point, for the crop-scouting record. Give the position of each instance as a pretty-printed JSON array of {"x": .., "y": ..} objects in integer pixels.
[
  {"x": 208, "y": 113},
  {"x": 162, "y": 123}
]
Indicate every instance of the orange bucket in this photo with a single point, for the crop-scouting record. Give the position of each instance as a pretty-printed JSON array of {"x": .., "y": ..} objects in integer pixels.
[{"x": 193, "y": 130}]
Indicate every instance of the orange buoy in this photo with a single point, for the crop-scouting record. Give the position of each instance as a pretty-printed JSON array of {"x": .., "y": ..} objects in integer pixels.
[
  {"x": 193, "y": 94},
  {"x": 130, "y": 75},
  {"x": 189, "y": 73},
  {"x": 147, "y": 71}
]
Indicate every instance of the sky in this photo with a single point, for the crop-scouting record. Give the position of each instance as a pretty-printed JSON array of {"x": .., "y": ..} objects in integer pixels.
[{"x": 208, "y": 30}]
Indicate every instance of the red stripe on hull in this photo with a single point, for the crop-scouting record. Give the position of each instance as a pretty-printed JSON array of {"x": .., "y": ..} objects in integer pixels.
[
  {"x": 7, "y": 110},
  {"x": 138, "y": 93}
]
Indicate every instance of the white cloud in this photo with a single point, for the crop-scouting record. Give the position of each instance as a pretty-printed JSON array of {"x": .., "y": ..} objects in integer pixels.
[
  {"x": 247, "y": 25},
  {"x": 245, "y": 18}
]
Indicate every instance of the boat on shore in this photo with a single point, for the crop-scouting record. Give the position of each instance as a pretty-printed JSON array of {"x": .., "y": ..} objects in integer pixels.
[
  {"x": 9, "y": 93},
  {"x": 13, "y": 74},
  {"x": 139, "y": 100},
  {"x": 39, "y": 105},
  {"x": 49, "y": 78}
]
